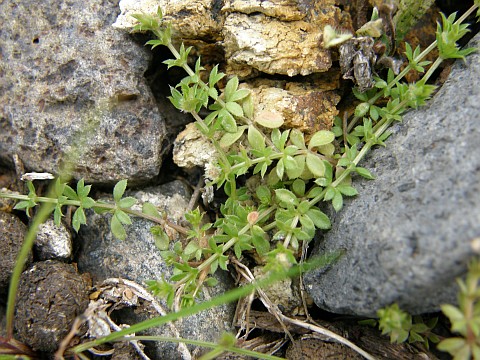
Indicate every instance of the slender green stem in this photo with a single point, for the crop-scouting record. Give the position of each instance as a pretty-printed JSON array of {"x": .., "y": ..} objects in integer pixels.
[
  {"x": 98, "y": 205},
  {"x": 431, "y": 69}
]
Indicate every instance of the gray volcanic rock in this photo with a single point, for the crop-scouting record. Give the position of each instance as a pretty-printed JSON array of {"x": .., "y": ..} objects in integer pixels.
[
  {"x": 409, "y": 233},
  {"x": 67, "y": 77}
]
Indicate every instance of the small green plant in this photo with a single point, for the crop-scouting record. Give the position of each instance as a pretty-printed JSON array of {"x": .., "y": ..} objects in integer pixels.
[
  {"x": 465, "y": 318},
  {"x": 400, "y": 326}
]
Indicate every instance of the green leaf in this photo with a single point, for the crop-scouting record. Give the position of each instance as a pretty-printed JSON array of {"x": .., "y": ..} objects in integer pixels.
[
  {"x": 150, "y": 209},
  {"x": 264, "y": 194},
  {"x": 78, "y": 219},
  {"x": 255, "y": 138},
  {"x": 83, "y": 190},
  {"x": 117, "y": 229},
  {"x": 228, "y": 121},
  {"x": 231, "y": 88},
  {"x": 87, "y": 202},
  {"x": 211, "y": 282},
  {"x": 154, "y": 43},
  {"x": 320, "y": 138},
  {"x": 320, "y": 220},
  {"x": 248, "y": 107},
  {"x": 229, "y": 139},
  {"x": 25, "y": 204},
  {"x": 315, "y": 165},
  {"x": 240, "y": 94},
  {"x": 262, "y": 245},
  {"x": 119, "y": 190},
  {"x": 327, "y": 149},
  {"x": 286, "y": 196},
  {"x": 162, "y": 241},
  {"x": 280, "y": 169},
  {"x": 122, "y": 217},
  {"x": 329, "y": 194},
  {"x": 70, "y": 193},
  {"x": 57, "y": 215},
  {"x": 419, "y": 328},
  {"x": 59, "y": 187},
  {"x": 364, "y": 173},
  {"x": 307, "y": 224},
  {"x": 191, "y": 247},
  {"x": 269, "y": 119},
  {"x": 234, "y": 108},
  {"x": 452, "y": 345},
  {"x": 303, "y": 207},
  {"x": 360, "y": 96},
  {"x": 347, "y": 190},
  {"x": 298, "y": 187},
  {"x": 453, "y": 313},
  {"x": 127, "y": 202},
  {"x": 213, "y": 93},
  {"x": 362, "y": 109},
  {"x": 337, "y": 201},
  {"x": 297, "y": 139},
  {"x": 215, "y": 76},
  {"x": 297, "y": 171}
]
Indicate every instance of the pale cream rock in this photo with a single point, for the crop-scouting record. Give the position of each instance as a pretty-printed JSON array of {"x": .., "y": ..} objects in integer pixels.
[
  {"x": 286, "y": 10},
  {"x": 305, "y": 108},
  {"x": 273, "y": 46},
  {"x": 191, "y": 148},
  {"x": 278, "y": 36},
  {"x": 199, "y": 20}
]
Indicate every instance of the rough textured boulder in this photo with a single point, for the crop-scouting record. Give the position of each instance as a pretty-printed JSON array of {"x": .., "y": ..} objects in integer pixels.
[
  {"x": 278, "y": 37},
  {"x": 409, "y": 233},
  {"x": 67, "y": 77}
]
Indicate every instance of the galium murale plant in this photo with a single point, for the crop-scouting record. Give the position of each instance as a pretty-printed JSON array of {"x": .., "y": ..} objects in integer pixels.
[{"x": 296, "y": 176}]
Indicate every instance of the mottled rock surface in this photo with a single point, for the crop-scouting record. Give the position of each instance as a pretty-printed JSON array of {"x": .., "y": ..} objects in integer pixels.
[
  {"x": 53, "y": 242},
  {"x": 138, "y": 259},
  {"x": 409, "y": 233},
  {"x": 65, "y": 71}
]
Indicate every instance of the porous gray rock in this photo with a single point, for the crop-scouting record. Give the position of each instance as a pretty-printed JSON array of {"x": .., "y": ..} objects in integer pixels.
[
  {"x": 409, "y": 233},
  {"x": 138, "y": 259},
  {"x": 72, "y": 84},
  {"x": 53, "y": 242}
]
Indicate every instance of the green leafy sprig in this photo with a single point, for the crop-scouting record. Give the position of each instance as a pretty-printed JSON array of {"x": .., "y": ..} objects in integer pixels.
[
  {"x": 400, "y": 326},
  {"x": 465, "y": 319}
]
